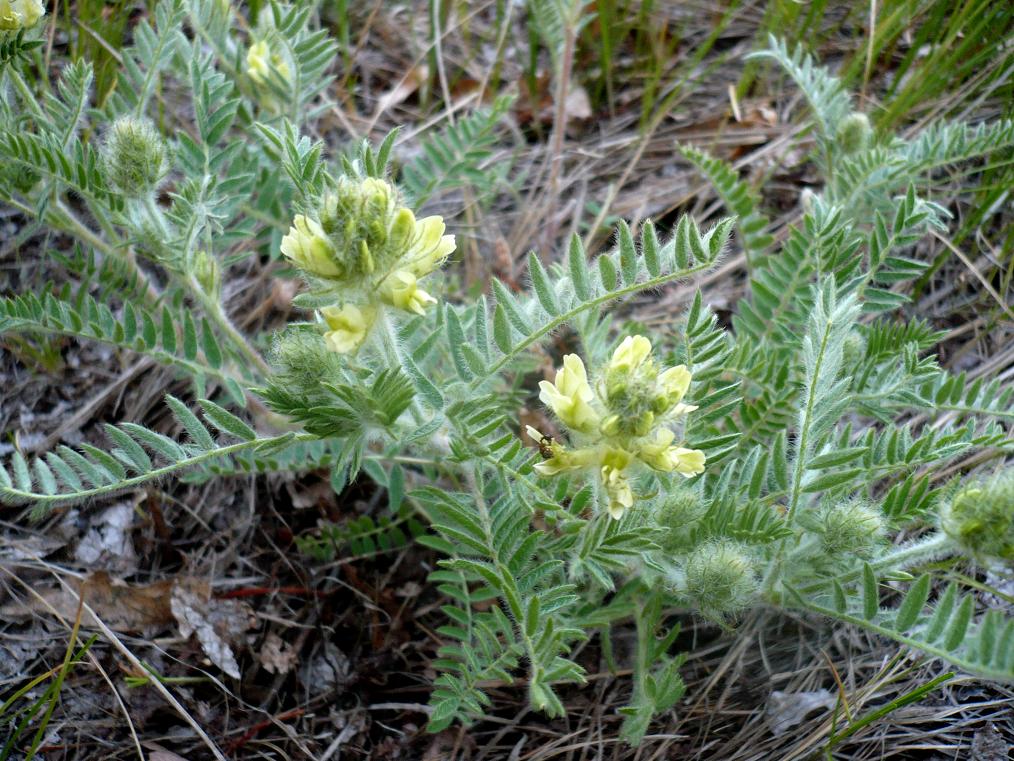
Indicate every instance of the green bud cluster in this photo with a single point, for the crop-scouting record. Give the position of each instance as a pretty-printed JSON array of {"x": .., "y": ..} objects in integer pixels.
[
  {"x": 368, "y": 229},
  {"x": 300, "y": 365},
  {"x": 135, "y": 157},
  {"x": 854, "y": 350},
  {"x": 719, "y": 578},
  {"x": 854, "y": 132},
  {"x": 636, "y": 399},
  {"x": 677, "y": 513},
  {"x": 207, "y": 272},
  {"x": 852, "y": 527},
  {"x": 980, "y": 519}
]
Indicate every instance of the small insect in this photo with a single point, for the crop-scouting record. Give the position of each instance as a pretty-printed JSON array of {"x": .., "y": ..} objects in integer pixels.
[{"x": 546, "y": 447}]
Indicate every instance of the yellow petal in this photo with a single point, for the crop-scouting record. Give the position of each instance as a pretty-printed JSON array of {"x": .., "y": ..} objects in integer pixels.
[
  {"x": 349, "y": 326},
  {"x": 631, "y": 352}
]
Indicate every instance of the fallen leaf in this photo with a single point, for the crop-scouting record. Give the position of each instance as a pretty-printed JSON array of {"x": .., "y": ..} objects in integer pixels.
[
  {"x": 276, "y": 656},
  {"x": 158, "y": 753},
  {"x": 218, "y": 624},
  {"x": 577, "y": 105},
  {"x": 329, "y": 668},
  {"x": 786, "y": 710},
  {"x": 122, "y": 607},
  {"x": 107, "y": 543}
]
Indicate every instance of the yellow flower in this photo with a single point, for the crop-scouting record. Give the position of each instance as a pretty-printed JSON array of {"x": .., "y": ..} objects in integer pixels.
[
  {"x": 674, "y": 382},
  {"x": 660, "y": 455},
  {"x": 348, "y": 325},
  {"x": 260, "y": 60},
  {"x": 559, "y": 459},
  {"x": 569, "y": 397},
  {"x": 429, "y": 247},
  {"x": 309, "y": 247},
  {"x": 631, "y": 352},
  {"x": 614, "y": 479},
  {"x": 20, "y": 14},
  {"x": 689, "y": 462},
  {"x": 402, "y": 290}
]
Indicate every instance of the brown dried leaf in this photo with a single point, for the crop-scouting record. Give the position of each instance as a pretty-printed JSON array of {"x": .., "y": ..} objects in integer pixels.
[
  {"x": 276, "y": 656},
  {"x": 218, "y": 624},
  {"x": 122, "y": 607}
]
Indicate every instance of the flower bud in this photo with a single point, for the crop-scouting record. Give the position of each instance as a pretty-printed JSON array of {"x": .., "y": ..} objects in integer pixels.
[
  {"x": 676, "y": 515},
  {"x": 207, "y": 272},
  {"x": 854, "y": 350},
  {"x": 806, "y": 200},
  {"x": 720, "y": 578},
  {"x": 852, "y": 527},
  {"x": 854, "y": 132},
  {"x": 16, "y": 15},
  {"x": 980, "y": 518},
  {"x": 301, "y": 363},
  {"x": 135, "y": 157}
]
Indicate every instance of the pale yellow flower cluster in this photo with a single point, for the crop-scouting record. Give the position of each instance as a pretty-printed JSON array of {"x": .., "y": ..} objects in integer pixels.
[
  {"x": 625, "y": 421},
  {"x": 371, "y": 252},
  {"x": 20, "y": 14},
  {"x": 260, "y": 60}
]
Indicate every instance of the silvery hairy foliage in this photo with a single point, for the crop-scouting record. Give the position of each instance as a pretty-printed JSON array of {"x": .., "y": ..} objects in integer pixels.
[{"x": 694, "y": 468}]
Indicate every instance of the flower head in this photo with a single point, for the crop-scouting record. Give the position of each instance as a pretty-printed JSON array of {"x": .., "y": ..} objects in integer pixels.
[
  {"x": 260, "y": 60},
  {"x": 348, "y": 326},
  {"x": 20, "y": 14},
  {"x": 364, "y": 247},
  {"x": 624, "y": 423},
  {"x": 570, "y": 396},
  {"x": 980, "y": 518}
]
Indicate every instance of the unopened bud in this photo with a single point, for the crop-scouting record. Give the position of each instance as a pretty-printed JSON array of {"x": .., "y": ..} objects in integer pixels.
[
  {"x": 720, "y": 578},
  {"x": 135, "y": 157},
  {"x": 854, "y": 132},
  {"x": 207, "y": 272},
  {"x": 853, "y": 527},
  {"x": 676, "y": 516},
  {"x": 980, "y": 518}
]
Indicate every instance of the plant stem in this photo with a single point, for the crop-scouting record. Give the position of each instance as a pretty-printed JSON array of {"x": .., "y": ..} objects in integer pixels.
[
  {"x": 921, "y": 550},
  {"x": 213, "y": 308}
]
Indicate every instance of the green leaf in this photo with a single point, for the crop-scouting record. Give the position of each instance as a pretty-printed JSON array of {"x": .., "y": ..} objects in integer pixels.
[
  {"x": 837, "y": 457},
  {"x": 871, "y": 595},
  {"x": 958, "y": 625},
  {"x": 628, "y": 254},
  {"x": 542, "y": 285},
  {"x": 913, "y": 603},
  {"x": 226, "y": 422},
  {"x": 501, "y": 329},
  {"x": 607, "y": 272},
  {"x": 831, "y": 480},
  {"x": 194, "y": 427},
  {"x": 577, "y": 261}
]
